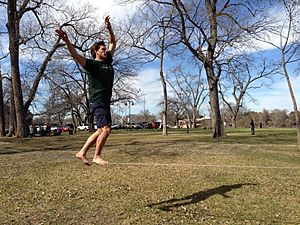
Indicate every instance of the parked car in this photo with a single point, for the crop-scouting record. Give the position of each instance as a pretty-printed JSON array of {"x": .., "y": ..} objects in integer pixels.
[
  {"x": 54, "y": 128},
  {"x": 137, "y": 126},
  {"x": 39, "y": 130},
  {"x": 133, "y": 126},
  {"x": 83, "y": 127},
  {"x": 65, "y": 128},
  {"x": 129, "y": 126},
  {"x": 146, "y": 125},
  {"x": 155, "y": 125},
  {"x": 117, "y": 126}
]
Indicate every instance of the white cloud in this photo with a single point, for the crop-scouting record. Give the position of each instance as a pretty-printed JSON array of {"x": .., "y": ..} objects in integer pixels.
[
  {"x": 272, "y": 101},
  {"x": 108, "y": 7},
  {"x": 279, "y": 36},
  {"x": 149, "y": 83},
  {"x": 278, "y": 97}
]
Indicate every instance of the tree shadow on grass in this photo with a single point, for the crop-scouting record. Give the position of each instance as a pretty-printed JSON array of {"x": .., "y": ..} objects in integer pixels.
[{"x": 222, "y": 190}]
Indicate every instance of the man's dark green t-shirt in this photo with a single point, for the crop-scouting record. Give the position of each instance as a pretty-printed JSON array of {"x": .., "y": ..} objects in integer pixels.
[{"x": 101, "y": 77}]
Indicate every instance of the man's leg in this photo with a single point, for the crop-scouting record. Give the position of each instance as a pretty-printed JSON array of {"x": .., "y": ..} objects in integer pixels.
[
  {"x": 88, "y": 144},
  {"x": 105, "y": 132}
]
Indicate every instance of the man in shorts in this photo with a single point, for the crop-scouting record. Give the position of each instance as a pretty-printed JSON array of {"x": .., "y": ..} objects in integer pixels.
[{"x": 101, "y": 76}]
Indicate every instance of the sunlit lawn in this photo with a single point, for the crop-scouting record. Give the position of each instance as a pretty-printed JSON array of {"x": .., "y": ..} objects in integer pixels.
[{"x": 182, "y": 178}]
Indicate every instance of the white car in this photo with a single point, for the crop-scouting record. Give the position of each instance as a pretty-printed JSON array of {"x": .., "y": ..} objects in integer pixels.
[{"x": 83, "y": 127}]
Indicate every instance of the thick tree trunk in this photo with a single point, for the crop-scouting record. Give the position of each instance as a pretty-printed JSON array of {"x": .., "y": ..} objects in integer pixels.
[
  {"x": 233, "y": 121},
  {"x": 18, "y": 99},
  {"x": 2, "y": 116},
  {"x": 91, "y": 121},
  {"x": 217, "y": 125},
  {"x": 14, "y": 37}
]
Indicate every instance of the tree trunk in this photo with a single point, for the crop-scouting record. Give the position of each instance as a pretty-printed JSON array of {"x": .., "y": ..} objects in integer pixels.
[
  {"x": 164, "y": 85},
  {"x": 2, "y": 116},
  {"x": 297, "y": 116},
  {"x": 165, "y": 110},
  {"x": 188, "y": 125},
  {"x": 12, "y": 114},
  {"x": 217, "y": 125},
  {"x": 40, "y": 76},
  {"x": 194, "y": 111},
  {"x": 233, "y": 121},
  {"x": 91, "y": 122},
  {"x": 14, "y": 37},
  {"x": 298, "y": 131},
  {"x": 73, "y": 120}
]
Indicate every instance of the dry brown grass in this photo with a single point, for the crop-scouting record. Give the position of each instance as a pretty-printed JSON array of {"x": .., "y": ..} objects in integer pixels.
[{"x": 178, "y": 179}]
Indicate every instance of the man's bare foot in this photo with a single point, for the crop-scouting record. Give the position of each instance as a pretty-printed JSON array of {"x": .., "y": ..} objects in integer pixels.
[
  {"x": 99, "y": 161},
  {"x": 82, "y": 157}
]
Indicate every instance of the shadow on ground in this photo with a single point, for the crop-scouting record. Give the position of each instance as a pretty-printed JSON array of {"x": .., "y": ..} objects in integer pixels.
[
  {"x": 9, "y": 151},
  {"x": 222, "y": 190}
]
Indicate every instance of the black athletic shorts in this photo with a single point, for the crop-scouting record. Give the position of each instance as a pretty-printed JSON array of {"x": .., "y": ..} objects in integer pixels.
[{"x": 102, "y": 114}]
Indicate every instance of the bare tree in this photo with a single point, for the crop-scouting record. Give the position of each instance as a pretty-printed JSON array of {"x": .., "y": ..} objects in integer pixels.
[
  {"x": 176, "y": 111},
  {"x": 265, "y": 118},
  {"x": 209, "y": 30},
  {"x": 279, "y": 117},
  {"x": 190, "y": 89},
  {"x": 155, "y": 27},
  {"x": 283, "y": 34},
  {"x": 14, "y": 17},
  {"x": 243, "y": 75},
  {"x": 33, "y": 35}
]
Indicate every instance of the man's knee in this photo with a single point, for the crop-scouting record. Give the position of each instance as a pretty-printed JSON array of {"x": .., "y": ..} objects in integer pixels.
[{"x": 106, "y": 130}]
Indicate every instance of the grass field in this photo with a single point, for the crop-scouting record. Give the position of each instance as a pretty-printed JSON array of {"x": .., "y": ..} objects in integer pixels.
[{"x": 182, "y": 178}]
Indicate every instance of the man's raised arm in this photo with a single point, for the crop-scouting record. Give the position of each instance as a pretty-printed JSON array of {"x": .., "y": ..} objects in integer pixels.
[
  {"x": 111, "y": 36},
  {"x": 79, "y": 58}
]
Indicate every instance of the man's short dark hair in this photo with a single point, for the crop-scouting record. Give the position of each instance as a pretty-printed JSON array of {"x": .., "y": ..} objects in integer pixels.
[{"x": 95, "y": 47}]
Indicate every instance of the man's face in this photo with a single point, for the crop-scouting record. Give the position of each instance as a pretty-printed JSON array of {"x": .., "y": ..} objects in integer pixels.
[{"x": 101, "y": 53}]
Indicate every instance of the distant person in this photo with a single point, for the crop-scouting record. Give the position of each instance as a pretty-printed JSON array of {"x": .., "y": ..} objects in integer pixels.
[
  {"x": 32, "y": 130},
  {"x": 252, "y": 125},
  {"x": 101, "y": 77},
  {"x": 58, "y": 130},
  {"x": 48, "y": 129}
]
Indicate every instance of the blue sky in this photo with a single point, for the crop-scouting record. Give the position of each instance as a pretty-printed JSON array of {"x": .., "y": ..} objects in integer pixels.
[{"x": 275, "y": 97}]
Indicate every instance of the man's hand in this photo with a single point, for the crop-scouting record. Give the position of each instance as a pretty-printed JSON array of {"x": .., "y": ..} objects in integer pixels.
[
  {"x": 62, "y": 34},
  {"x": 107, "y": 23},
  {"x": 79, "y": 58}
]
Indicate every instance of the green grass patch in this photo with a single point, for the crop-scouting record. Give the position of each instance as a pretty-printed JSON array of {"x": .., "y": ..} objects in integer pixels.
[{"x": 182, "y": 178}]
